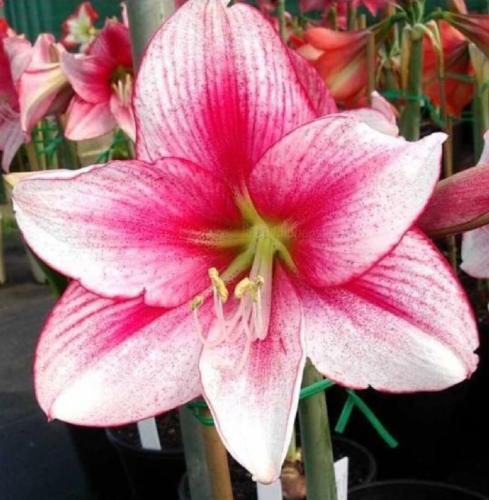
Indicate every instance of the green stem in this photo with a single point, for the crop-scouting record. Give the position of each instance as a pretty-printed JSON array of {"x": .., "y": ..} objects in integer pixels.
[
  {"x": 410, "y": 124},
  {"x": 145, "y": 17},
  {"x": 316, "y": 442},
  {"x": 281, "y": 19},
  {"x": 481, "y": 117},
  {"x": 195, "y": 459}
]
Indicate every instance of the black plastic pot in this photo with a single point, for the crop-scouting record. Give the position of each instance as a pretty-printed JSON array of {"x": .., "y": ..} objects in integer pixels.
[
  {"x": 362, "y": 468},
  {"x": 151, "y": 473},
  {"x": 412, "y": 490}
]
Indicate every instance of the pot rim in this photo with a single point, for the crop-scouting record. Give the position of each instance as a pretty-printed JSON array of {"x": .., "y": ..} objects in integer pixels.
[{"x": 437, "y": 484}]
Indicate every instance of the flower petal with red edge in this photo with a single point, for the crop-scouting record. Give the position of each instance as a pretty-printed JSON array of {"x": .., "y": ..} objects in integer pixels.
[
  {"x": 407, "y": 324},
  {"x": 11, "y": 135},
  {"x": 128, "y": 228},
  {"x": 86, "y": 120},
  {"x": 460, "y": 202},
  {"x": 104, "y": 362},
  {"x": 217, "y": 87},
  {"x": 321, "y": 98},
  {"x": 347, "y": 192},
  {"x": 254, "y": 409},
  {"x": 89, "y": 76}
]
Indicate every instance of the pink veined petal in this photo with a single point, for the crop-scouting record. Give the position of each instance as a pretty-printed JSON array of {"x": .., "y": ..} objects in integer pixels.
[
  {"x": 11, "y": 135},
  {"x": 347, "y": 192},
  {"x": 254, "y": 409},
  {"x": 475, "y": 252},
  {"x": 407, "y": 324},
  {"x": 20, "y": 52},
  {"x": 124, "y": 116},
  {"x": 113, "y": 45},
  {"x": 217, "y": 87},
  {"x": 87, "y": 121},
  {"x": 380, "y": 116},
  {"x": 89, "y": 76},
  {"x": 460, "y": 202},
  {"x": 319, "y": 95},
  {"x": 39, "y": 90},
  {"x": 104, "y": 362},
  {"x": 128, "y": 228}
]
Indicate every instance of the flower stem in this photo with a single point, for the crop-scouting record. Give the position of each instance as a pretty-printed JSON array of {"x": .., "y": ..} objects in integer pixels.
[
  {"x": 410, "y": 124},
  {"x": 316, "y": 442},
  {"x": 195, "y": 456},
  {"x": 217, "y": 462},
  {"x": 145, "y": 17},
  {"x": 281, "y": 19}
]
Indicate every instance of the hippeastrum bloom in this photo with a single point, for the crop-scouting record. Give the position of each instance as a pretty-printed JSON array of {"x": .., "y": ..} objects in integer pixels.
[
  {"x": 460, "y": 204},
  {"x": 456, "y": 61},
  {"x": 79, "y": 29},
  {"x": 341, "y": 59},
  {"x": 43, "y": 87},
  {"x": 475, "y": 27},
  {"x": 103, "y": 81},
  {"x": 14, "y": 56},
  {"x": 252, "y": 232}
]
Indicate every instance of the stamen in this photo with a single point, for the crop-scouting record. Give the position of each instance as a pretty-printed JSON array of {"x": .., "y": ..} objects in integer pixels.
[{"x": 218, "y": 284}]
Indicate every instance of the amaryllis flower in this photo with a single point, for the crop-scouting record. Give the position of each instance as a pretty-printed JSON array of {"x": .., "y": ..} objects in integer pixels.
[
  {"x": 13, "y": 52},
  {"x": 252, "y": 232},
  {"x": 103, "y": 81},
  {"x": 79, "y": 29},
  {"x": 43, "y": 87},
  {"x": 475, "y": 27},
  {"x": 456, "y": 61},
  {"x": 341, "y": 59},
  {"x": 460, "y": 204}
]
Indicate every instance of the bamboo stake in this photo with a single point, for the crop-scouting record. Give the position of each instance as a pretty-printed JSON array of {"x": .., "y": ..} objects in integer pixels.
[
  {"x": 371, "y": 65},
  {"x": 217, "y": 461}
]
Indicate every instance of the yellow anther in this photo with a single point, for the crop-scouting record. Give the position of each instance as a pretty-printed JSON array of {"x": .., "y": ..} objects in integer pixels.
[
  {"x": 250, "y": 287},
  {"x": 196, "y": 302},
  {"x": 242, "y": 287},
  {"x": 218, "y": 284}
]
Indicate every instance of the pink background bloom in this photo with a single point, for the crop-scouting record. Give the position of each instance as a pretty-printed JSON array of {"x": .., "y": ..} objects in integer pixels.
[{"x": 103, "y": 81}]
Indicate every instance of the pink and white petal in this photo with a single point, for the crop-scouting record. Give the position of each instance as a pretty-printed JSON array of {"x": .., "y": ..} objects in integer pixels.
[
  {"x": 11, "y": 135},
  {"x": 407, "y": 324},
  {"x": 347, "y": 192},
  {"x": 86, "y": 120},
  {"x": 128, "y": 228},
  {"x": 112, "y": 46},
  {"x": 485, "y": 152},
  {"x": 39, "y": 88},
  {"x": 460, "y": 202},
  {"x": 380, "y": 116},
  {"x": 104, "y": 362},
  {"x": 254, "y": 409},
  {"x": 321, "y": 98},
  {"x": 217, "y": 87},
  {"x": 89, "y": 76},
  {"x": 19, "y": 52},
  {"x": 475, "y": 252},
  {"x": 124, "y": 116}
]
